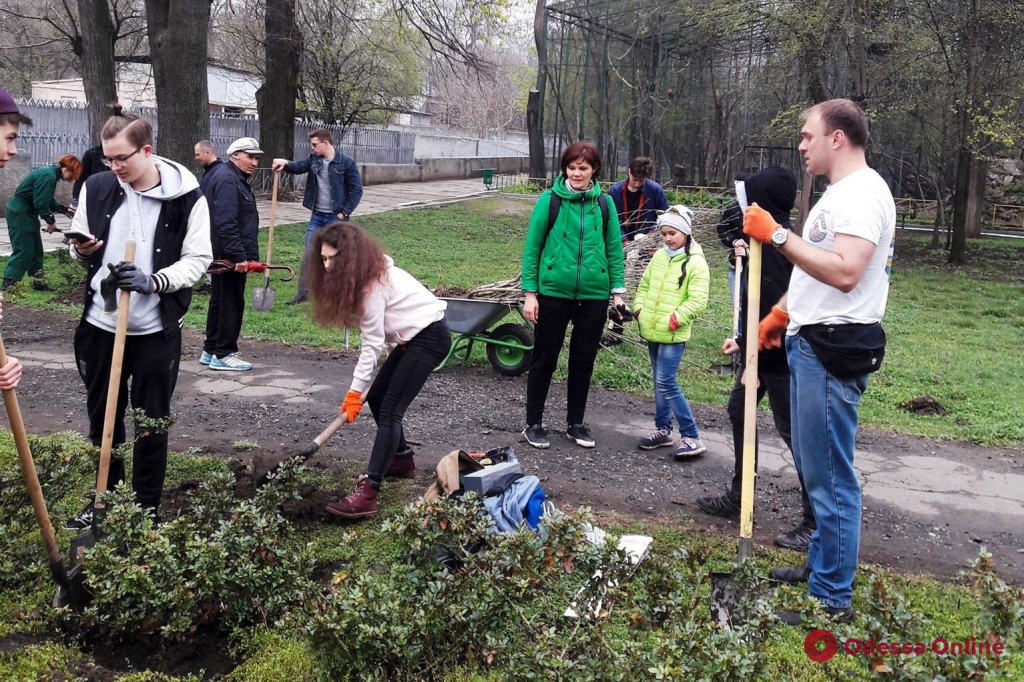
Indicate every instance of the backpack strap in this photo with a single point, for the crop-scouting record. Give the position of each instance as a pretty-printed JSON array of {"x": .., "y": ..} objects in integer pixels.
[{"x": 555, "y": 204}]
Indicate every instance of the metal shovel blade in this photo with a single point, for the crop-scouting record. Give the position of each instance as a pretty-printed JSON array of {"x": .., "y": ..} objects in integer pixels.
[
  {"x": 725, "y": 594},
  {"x": 263, "y": 298}
]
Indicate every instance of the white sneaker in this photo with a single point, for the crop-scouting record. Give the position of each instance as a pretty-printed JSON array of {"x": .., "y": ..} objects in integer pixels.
[{"x": 230, "y": 363}]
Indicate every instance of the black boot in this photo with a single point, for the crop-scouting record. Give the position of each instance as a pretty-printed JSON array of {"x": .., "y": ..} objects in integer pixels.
[
  {"x": 794, "y": 575},
  {"x": 798, "y": 539},
  {"x": 7, "y": 283},
  {"x": 300, "y": 297}
]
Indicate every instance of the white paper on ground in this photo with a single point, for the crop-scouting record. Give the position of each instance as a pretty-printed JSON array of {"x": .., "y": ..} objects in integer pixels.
[{"x": 635, "y": 547}]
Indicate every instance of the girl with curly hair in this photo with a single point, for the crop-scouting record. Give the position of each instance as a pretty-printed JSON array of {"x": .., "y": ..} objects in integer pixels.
[{"x": 353, "y": 283}]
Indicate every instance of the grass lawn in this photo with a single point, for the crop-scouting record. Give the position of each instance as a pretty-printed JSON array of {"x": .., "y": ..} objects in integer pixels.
[{"x": 953, "y": 334}]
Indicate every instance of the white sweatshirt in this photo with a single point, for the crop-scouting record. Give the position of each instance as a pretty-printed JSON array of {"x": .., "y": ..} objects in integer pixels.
[
  {"x": 396, "y": 309},
  {"x": 136, "y": 219}
]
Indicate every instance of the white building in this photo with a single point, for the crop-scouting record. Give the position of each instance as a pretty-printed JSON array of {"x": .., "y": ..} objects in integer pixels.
[{"x": 230, "y": 91}]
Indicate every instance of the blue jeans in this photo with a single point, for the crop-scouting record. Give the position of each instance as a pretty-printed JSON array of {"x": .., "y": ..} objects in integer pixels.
[
  {"x": 316, "y": 221},
  {"x": 668, "y": 399},
  {"x": 824, "y": 424}
]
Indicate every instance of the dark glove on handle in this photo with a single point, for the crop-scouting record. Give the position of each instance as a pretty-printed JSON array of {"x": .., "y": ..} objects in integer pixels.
[
  {"x": 130, "y": 278},
  {"x": 108, "y": 290}
]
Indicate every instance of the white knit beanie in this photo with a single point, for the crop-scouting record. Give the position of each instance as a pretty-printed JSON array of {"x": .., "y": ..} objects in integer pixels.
[{"x": 678, "y": 217}]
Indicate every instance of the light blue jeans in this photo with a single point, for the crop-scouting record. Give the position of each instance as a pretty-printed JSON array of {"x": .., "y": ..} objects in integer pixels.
[
  {"x": 824, "y": 424},
  {"x": 668, "y": 398}
]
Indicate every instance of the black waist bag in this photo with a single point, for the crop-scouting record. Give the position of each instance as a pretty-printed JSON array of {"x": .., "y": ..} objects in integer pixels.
[{"x": 847, "y": 350}]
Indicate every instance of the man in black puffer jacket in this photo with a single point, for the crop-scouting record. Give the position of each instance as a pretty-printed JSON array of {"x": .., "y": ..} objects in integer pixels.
[
  {"x": 774, "y": 189},
  {"x": 234, "y": 229}
]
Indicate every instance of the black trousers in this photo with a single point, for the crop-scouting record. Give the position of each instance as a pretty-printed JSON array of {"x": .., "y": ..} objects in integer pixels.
[
  {"x": 224, "y": 317},
  {"x": 553, "y": 319},
  {"x": 151, "y": 366},
  {"x": 776, "y": 386},
  {"x": 398, "y": 382}
]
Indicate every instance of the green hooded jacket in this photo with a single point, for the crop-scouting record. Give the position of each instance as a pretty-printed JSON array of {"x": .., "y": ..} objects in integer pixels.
[
  {"x": 580, "y": 259},
  {"x": 659, "y": 295}
]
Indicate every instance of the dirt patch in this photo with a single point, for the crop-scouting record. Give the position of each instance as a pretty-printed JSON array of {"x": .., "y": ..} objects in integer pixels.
[
  {"x": 924, "y": 404},
  {"x": 206, "y": 651}
]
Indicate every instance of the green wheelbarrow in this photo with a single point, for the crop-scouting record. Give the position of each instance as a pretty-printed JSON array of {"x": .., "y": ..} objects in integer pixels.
[{"x": 509, "y": 346}]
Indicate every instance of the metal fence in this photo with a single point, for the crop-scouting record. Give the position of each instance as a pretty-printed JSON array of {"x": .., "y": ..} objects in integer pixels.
[{"x": 63, "y": 128}]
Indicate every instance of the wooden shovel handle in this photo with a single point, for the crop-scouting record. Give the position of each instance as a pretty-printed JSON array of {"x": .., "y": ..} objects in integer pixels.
[
  {"x": 331, "y": 429},
  {"x": 28, "y": 466},
  {"x": 113, "y": 387},
  {"x": 273, "y": 216},
  {"x": 736, "y": 299},
  {"x": 750, "y": 402}
]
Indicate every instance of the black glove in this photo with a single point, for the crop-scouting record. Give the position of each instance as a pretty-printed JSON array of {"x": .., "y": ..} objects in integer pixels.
[
  {"x": 619, "y": 314},
  {"x": 108, "y": 290},
  {"x": 130, "y": 278}
]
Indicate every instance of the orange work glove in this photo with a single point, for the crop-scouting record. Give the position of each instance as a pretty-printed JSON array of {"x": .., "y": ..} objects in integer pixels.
[
  {"x": 351, "y": 406},
  {"x": 769, "y": 332},
  {"x": 673, "y": 323},
  {"x": 758, "y": 223}
]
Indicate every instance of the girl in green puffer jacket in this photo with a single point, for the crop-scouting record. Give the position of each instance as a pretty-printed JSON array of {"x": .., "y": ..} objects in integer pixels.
[{"x": 672, "y": 293}]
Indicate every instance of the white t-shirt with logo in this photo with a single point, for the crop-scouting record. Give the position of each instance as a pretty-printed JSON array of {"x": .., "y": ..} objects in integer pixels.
[{"x": 860, "y": 205}]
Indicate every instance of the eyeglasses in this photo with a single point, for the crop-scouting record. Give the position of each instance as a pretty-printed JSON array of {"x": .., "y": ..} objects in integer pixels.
[{"x": 119, "y": 160}]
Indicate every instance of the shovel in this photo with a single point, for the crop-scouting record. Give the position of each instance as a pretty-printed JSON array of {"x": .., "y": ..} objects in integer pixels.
[
  {"x": 725, "y": 591},
  {"x": 736, "y": 312},
  {"x": 265, "y": 465},
  {"x": 88, "y": 539},
  {"x": 263, "y": 297},
  {"x": 69, "y": 593}
]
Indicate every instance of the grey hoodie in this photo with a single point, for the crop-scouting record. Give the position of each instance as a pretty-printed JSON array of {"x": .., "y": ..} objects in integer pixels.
[{"x": 136, "y": 219}]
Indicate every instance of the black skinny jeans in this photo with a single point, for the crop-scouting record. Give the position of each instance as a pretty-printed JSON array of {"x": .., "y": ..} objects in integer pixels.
[
  {"x": 398, "y": 382},
  {"x": 776, "y": 386},
  {"x": 151, "y": 363},
  {"x": 553, "y": 319}
]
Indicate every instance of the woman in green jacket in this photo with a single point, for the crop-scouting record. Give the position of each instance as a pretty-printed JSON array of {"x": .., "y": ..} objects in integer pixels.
[
  {"x": 672, "y": 293},
  {"x": 31, "y": 201},
  {"x": 571, "y": 265}
]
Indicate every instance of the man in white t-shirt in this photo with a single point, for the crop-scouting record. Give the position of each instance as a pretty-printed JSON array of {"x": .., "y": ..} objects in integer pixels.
[{"x": 831, "y": 317}]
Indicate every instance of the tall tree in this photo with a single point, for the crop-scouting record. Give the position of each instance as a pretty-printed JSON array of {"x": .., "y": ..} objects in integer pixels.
[
  {"x": 96, "y": 50},
  {"x": 178, "y": 50},
  {"x": 275, "y": 99},
  {"x": 534, "y": 104}
]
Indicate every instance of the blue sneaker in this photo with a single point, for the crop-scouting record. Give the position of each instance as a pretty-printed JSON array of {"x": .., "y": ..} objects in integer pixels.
[
  {"x": 230, "y": 363},
  {"x": 205, "y": 358}
]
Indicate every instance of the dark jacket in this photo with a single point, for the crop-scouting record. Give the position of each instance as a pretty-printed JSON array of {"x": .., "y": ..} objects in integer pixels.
[
  {"x": 205, "y": 180},
  {"x": 105, "y": 196},
  {"x": 234, "y": 221},
  {"x": 346, "y": 184},
  {"x": 774, "y": 190},
  {"x": 634, "y": 218},
  {"x": 92, "y": 163},
  {"x": 34, "y": 196}
]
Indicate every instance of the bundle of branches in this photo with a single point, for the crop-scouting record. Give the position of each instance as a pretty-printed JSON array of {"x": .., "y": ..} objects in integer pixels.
[{"x": 637, "y": 253}]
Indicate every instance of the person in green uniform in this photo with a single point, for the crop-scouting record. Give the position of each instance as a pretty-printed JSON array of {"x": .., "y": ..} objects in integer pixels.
[{"x": 31, "y": 201}]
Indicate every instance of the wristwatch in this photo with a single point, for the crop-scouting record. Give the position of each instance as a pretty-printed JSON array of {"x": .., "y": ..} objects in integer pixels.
[{"x": 779, "y": 237}]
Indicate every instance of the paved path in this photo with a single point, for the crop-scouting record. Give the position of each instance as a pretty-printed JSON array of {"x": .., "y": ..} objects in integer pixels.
[
  {"x": 928, "y": 505},
  {"x": 376, "y": 199}
]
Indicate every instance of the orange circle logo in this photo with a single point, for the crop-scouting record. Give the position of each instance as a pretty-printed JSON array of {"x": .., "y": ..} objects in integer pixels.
[{"x": 820, "y": 655}]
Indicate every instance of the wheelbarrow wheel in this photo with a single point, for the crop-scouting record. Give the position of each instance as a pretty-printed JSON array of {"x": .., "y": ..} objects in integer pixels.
[{"x": 510, "y": 362}]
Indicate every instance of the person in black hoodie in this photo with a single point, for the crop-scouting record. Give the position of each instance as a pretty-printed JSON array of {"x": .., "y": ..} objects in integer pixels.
[
  {"x": 92, "y": 163},
  {"x": 234, "y": 234},
  {"x": 774, "y": 189}
]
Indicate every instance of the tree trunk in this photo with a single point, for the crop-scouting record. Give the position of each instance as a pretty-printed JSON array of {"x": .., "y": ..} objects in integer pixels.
[
  {"x": 177, "y": 47},
  {"x": 535, "y": 101},
  {"x": 860, "y": 69},
  {"x": 963, "y": 211},
  {"x": 95, "y": 49},
  {"x": 275, "y": 99}
]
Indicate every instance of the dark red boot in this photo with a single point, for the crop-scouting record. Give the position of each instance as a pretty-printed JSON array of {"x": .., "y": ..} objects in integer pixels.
[
  {"x": 402, "y": 467},
  {"x": 361, "y": 503}
]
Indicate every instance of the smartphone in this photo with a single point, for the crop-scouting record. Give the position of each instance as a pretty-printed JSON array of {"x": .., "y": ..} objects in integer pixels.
[{"x": 80, "y": 237}]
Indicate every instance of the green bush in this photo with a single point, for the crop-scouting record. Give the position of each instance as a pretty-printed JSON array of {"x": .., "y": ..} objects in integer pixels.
[{"x": 223, "y": 560}]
